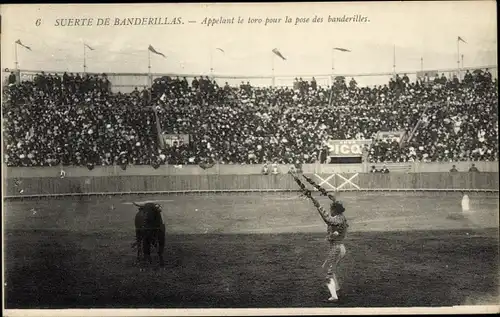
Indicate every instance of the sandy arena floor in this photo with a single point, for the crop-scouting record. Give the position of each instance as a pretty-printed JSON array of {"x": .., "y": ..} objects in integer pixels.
[{"x": 252, "y": 250}]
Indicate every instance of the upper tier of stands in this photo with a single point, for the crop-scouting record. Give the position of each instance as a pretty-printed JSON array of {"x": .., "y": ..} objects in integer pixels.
[{"x": 77, "y": 120}]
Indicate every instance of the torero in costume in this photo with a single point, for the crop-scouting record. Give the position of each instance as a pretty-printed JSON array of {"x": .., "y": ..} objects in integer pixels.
[{"x": 336, "y": 232}]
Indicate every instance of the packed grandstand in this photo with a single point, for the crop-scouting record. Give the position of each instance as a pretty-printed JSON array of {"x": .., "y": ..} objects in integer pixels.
[{"x": 78, "y": 120}]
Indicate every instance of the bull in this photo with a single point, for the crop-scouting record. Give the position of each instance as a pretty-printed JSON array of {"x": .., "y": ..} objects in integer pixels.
[{"x": 149, "y": 232}]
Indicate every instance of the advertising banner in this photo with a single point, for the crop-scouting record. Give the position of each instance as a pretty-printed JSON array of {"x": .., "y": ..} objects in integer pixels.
[
  {"x": 391, "y": 135},
  {"x": 347, "y": 148},
  {"x": 171, "y": 139}
]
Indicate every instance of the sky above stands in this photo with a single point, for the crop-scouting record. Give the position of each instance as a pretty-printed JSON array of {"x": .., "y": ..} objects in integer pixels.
[{"x": 417, "y": 29}]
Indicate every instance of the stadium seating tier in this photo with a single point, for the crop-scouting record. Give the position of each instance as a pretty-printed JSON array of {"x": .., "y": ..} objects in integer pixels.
[{"x": 77, "y": 120}]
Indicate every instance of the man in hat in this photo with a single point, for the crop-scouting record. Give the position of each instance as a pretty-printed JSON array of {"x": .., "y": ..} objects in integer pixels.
[
  {"x": 12, "y": 78},
  {"x": 336, "y": 233},
  {"x": 473, "y": 168}
]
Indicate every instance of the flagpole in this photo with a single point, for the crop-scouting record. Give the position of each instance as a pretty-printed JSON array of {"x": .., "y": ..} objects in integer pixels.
[
  {"x": 211, "y": 62},
  {"x": 84, "y": 59},
  {"x": 332, "y": 80},
  {"x": 272, "y": 61},
  {"x": 333, "y": 63},
  {"x": 394, "y": 60},
  {"x": 149, "y": 67},
  {"x": 458, "y": 57},
  {"x": 15, "y": 48},
  {"x": 421, "y": 64},
  {"x": 149, "y": 62}
]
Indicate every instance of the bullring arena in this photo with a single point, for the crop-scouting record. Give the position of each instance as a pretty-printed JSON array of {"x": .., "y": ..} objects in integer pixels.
[
  {"x": 258, "y": 245},
  {"x": 239, "y": 131}
]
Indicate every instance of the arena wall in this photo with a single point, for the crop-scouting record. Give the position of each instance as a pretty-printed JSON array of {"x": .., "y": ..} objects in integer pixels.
[
  {"x": 93, "y": 184},
  {"x": 73, "y": 171}
]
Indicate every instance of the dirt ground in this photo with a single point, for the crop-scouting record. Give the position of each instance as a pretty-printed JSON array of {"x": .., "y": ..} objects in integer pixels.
[{"x": 252, "y": 250}]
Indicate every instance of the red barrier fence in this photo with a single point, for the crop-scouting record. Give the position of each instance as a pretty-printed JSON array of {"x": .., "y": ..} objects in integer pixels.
[{"x": 45, "y": 186}]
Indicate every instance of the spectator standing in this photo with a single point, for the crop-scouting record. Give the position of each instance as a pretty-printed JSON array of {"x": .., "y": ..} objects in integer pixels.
[
  {"x": 12, "y": 78},
  {"x": 274, "y": 169},
  {"x": 265, "y": 170},
  {"x": 384, "y": 170},
  {"x": 314, "y": 85},
  {"x": 473, "y": 168}
]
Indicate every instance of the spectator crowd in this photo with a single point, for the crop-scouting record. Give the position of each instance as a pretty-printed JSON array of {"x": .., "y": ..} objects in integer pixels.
[{"x": 78, "y": 120}]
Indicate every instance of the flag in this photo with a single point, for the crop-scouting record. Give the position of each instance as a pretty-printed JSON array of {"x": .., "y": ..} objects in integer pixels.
[
  {"x": 151, "y": 48},
  {"x": 88, "y": 46},
  {"x": 461, "y": 39},
  {"x": 341, "y": 49},
  {"x": 161, "y": 140},
  {"x": 26, "y": 47},
  {"x": 220, "y": 49},
  {"x": 275, "y": 51}
]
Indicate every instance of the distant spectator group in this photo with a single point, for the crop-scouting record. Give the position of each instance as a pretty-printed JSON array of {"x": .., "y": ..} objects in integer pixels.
[
  {"x": 472, "y": 168},
  {"x": 78, "y": 120},
  {"x": 383, "y": 170}
]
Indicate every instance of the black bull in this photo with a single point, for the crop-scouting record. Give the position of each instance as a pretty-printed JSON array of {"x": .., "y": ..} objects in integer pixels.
[{"x": 149, "y": 232}]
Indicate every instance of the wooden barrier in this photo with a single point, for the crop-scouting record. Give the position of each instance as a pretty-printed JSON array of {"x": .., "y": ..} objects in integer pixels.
[
  {"x": 75, "y": 171},
  {"x": 45, "y": 186}
]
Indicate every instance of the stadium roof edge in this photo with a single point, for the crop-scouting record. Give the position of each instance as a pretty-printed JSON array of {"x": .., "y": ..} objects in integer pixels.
[{"x": 258, "y": 76}]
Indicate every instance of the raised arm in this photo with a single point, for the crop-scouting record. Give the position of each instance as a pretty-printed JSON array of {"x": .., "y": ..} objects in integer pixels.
[
  {"x": 325, "y": 214},
  {"x": 319, "y": 188}
]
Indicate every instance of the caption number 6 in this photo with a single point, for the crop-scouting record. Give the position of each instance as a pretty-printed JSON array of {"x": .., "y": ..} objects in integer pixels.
[{"x": 38, "y": 22}]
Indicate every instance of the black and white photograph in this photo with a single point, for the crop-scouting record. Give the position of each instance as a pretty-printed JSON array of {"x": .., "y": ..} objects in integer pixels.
[{"x": 250, "y": 158}]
